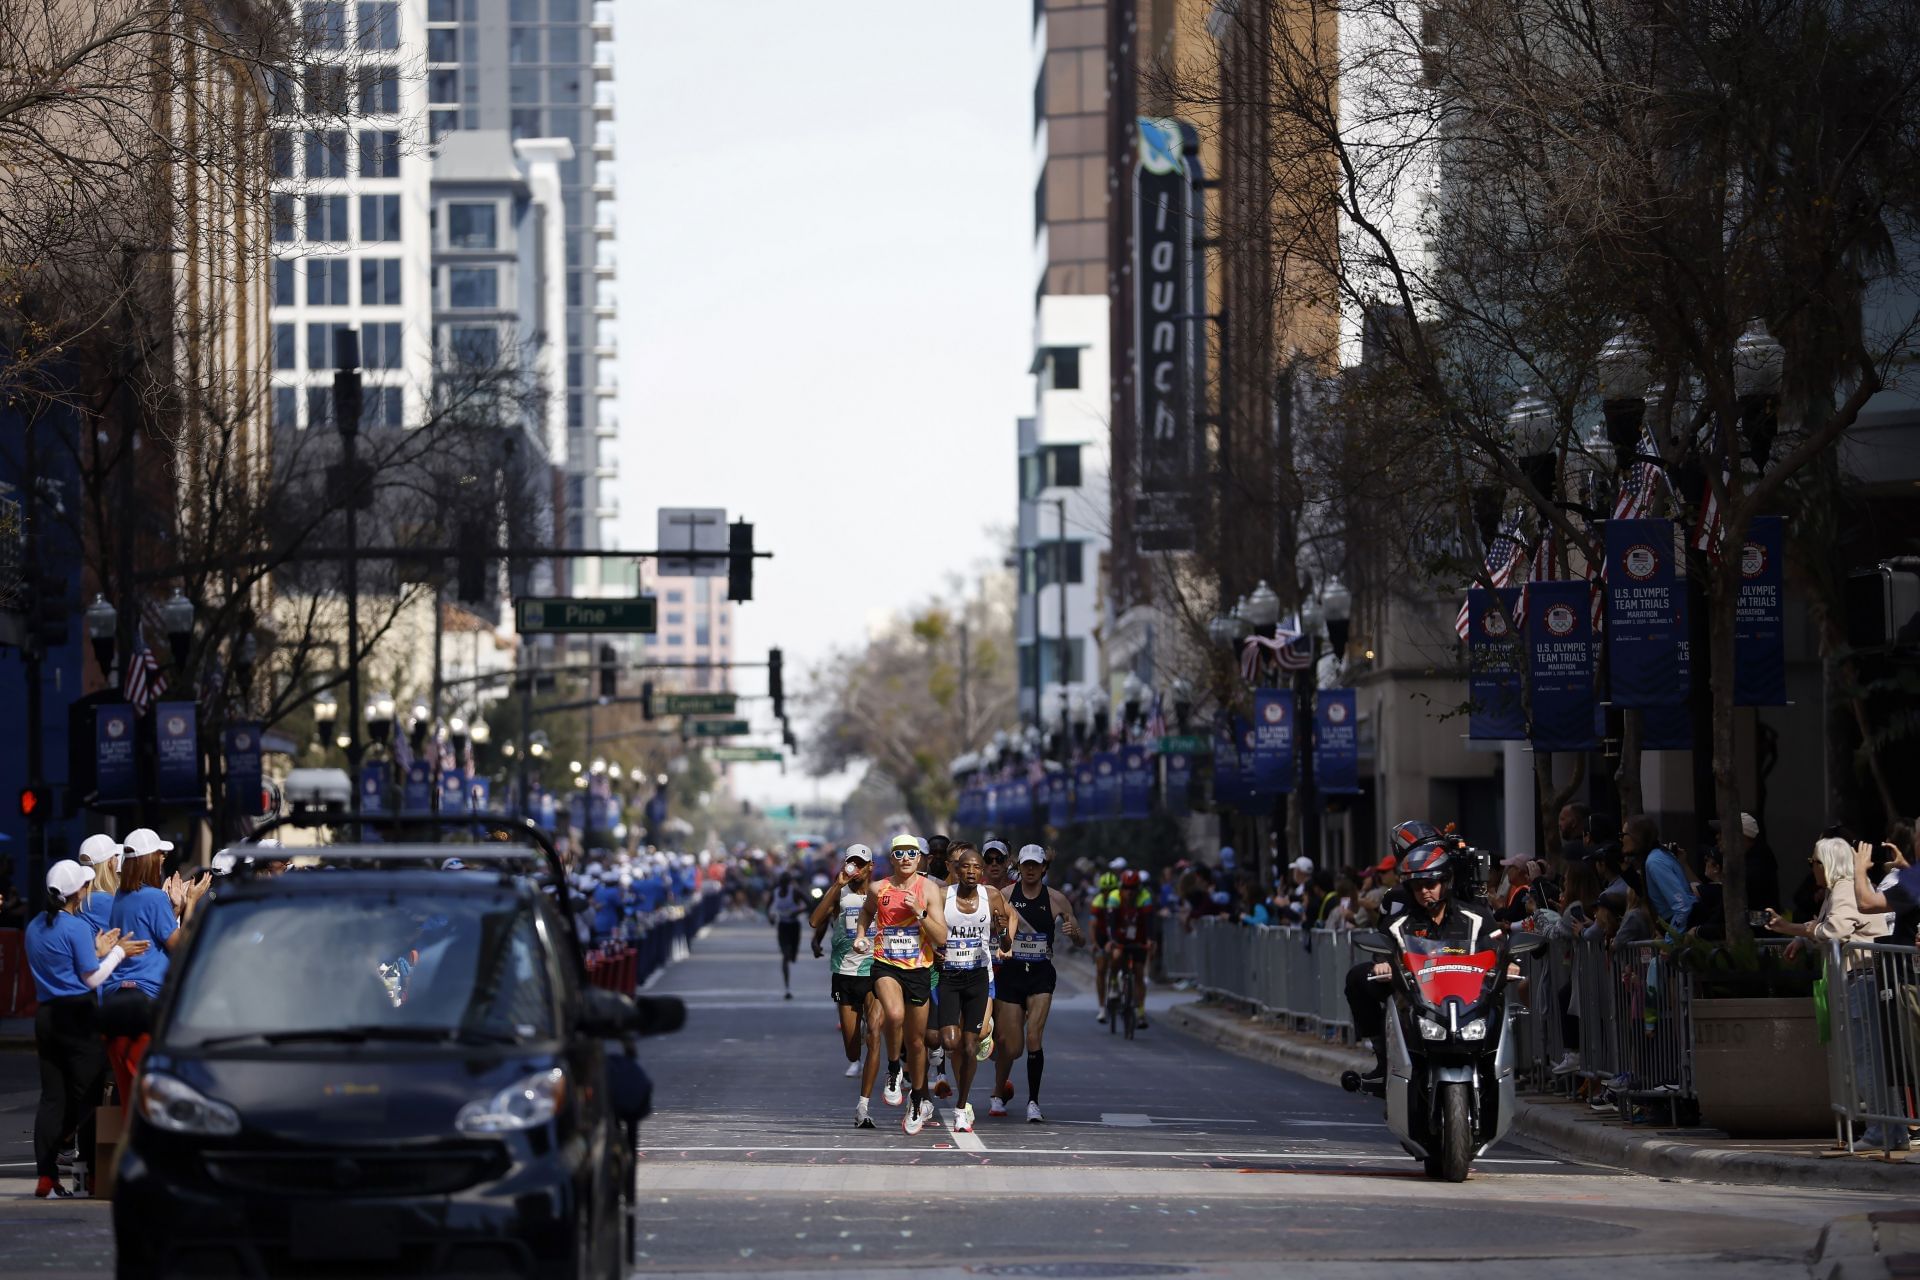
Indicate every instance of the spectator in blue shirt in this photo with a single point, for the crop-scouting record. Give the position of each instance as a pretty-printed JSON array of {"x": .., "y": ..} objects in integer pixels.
[
  {"x": 149, "y": 908},
  {"x": 100, "y": 855},
  {"x": 1669, "y": 889}
]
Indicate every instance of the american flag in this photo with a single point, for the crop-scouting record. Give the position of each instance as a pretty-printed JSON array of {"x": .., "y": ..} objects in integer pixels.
[
  {"x": 1502, "y": 555},
  {"x": 1641, "y": 479},
  {"x": 1157, "y": 718},
  {"x": 1542, "y": 570},
  {"x": 144, "y": 683},
  {"x": 1294, "y": 652},
  {"x": 1707, "y": 534}
]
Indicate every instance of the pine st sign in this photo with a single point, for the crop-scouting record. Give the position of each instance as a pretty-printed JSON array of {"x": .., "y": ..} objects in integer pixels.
[{"x": 560, "y": 615}]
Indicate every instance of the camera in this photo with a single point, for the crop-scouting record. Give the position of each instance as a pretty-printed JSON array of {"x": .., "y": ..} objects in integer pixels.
[{"x": 1472, "y": 870}]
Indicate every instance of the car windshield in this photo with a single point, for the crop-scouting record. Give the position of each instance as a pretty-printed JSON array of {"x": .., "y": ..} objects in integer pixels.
[{"x": 459, "y": 967}]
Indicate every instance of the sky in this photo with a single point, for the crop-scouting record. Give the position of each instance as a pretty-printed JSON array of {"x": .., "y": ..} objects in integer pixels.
[{"x": 826, "y": 298}]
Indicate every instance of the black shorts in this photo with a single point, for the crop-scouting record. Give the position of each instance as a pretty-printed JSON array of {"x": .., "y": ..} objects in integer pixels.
[
  {"x": 852, "y": 989},
  {"x": 963, "y": 998},
  {"x": 916, "y": 985},
  {"x": 1017, "y": 981},
  {"x": 789, "y": 940}
]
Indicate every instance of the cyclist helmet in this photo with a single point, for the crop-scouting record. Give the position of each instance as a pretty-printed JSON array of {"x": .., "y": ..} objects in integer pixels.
[
  {"x": 1427, "y": 863},
  {"x": 1406, "y": 835},
  {"x": 1108, "y": 882},
  {"x": 1130, "y": 879}
]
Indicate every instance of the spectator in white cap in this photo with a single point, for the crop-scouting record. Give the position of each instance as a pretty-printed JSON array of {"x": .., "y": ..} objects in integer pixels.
[
  {"x": 101, "y": 855},
  {"x": 151, "y": 908},
  {"x": 69, "y": 962},
  {"x": 1300, "y": 877}
]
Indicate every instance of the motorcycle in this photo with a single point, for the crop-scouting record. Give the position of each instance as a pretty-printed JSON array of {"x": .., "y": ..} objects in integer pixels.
[{"x": 1450, "y": 1047}]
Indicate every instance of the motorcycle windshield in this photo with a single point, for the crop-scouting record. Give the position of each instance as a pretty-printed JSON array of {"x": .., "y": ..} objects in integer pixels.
[{"x": 1442, "y": 971}]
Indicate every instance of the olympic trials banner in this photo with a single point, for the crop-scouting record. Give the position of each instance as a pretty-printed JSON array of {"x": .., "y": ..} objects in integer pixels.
[
  {"x": 1177, "y": 798},
  {"x": 1493, "y": 653},
  {"x": 1336, "y": 742},
  {"x": 1272, "y": 741},
  {"x": 1136, "y": 783},
  {"x": 1560, "y": 655},
  {"x": 1227, "y": 790},
  {"x": 1646, "y": 612},
  {"x": 1760, "y": 628}
]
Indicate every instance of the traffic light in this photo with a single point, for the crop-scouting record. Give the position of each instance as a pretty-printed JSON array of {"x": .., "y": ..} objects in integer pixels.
[
  {"x": 646, "y": 699},
  {"x": 36, "y": 802},
  {"x": 609, "y": 676},
  {"x": 471, "y": 565},
  {"x": 777, "y": 682},
  {"x": 739, "y": 561}
]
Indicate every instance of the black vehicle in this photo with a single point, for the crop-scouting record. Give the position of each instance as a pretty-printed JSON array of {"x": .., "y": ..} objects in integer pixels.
[
  {"x": 383, "y": 1070},
  {"x": 1450, "y": 1053}
]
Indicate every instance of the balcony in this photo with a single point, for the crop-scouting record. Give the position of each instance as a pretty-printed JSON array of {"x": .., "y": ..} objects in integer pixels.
[
  {"x": 603, "y": 59},
  {"x": 603, "y": 17}
]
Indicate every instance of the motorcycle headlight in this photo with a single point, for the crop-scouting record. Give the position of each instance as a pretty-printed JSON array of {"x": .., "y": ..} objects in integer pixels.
[
  {"x": 1475, "y": 1030},
  {"x": 1430, "y": 1030},
  {"x": 524, "y": 1104},
  {"x": 174, "y": 1105}
]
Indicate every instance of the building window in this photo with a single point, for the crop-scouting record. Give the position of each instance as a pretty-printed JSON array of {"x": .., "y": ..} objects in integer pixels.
[
  {"x": 285, "y": 220},
  {"x": 379, "y": 217},
  {"x": 379, "y": 90},
  {"x": 1049, "y": 556},
  {"x": 675, "y": 640},
  {"x": 472, "y": 226},
  {"x": 677, "y": 597},
  {"x": 563, "y": 10},
  {"x": 564, "y": 87},
  {"x": 379, "y": 282},
  {"x": 379, "y": 153},
  {"x": 283, "y": 347},
  {"x": 327, "y": 282},
  {"x": 441, "y": 123},
  {"x": 473, "y": 287},
  {"x": 380, "y": 346},
  {"x": 1050, "y": 661},
  {"x": 443, "y": 45},
  {"x": 442, "y": 11},
  {"x": 384, "y": 407},
  {"x": 576, "y": 411},
  {"x": 379, "y": 24},
  {"x": 524, "y": 85},
  {"x": 325, "y": 23},
  {"x": 702, "y": 634},
  {"x": 675, "y": 619},
  {"x": 326, "y": 88},
  {"x": 523, "y": 10},
  {"x": 283, "y": 285},
  {"x": 286, "y": 407},
  {"x": 443, "y": 85},
  {"x": 326, "y": 153},
  {"x": 1066, "y": 370},
  {"x": 563, "y": 44},
  {"x": 321, "y": 345},
  {"x": 327, "y": 217},
  {"x": 703, "y": 591},
  {"x": 474, "y": 345},
  {"x": 319, "y": 406},
  {"x": 282, "y": 154},
  {"x": 525, "y": 122},
  {"x": 1063, "y": 461},
  {"x": 523, "y": 44}
]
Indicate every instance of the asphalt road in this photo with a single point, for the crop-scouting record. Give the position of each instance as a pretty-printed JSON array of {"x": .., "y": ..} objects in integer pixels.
[{"x": 1162, "y": 1156}]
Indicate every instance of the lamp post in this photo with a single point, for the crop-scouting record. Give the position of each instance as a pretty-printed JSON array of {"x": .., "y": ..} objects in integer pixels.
[
  {"x": 1533, "y": 430},
  {"x": 103, "y": 628},
  {"x": 176, "y": 619},
  {"x": 1133, "y": 692},
  {"x": 379, "y": 711},
  {"x": 1337, "y": 602},
  {"x": 1621, "y": 368},
  {"x": 347, "y": 394},
  {"x": 1181, "y": 691},
  {"x": 326, "y": 710},
  {"x": 1758, "y": 363}
]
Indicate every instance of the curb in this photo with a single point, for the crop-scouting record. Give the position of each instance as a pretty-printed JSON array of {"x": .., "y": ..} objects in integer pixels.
[
  {"x": 1868, "y": 1246},
  {"x": 1557, "y": 1126}
]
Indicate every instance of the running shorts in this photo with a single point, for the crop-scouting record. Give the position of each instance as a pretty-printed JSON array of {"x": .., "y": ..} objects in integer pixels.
[
  {"x": 916, "y": 985},
  {"x": 789, "y": 940},
  {"x": 963, "y": 998},
  {"x": 852, "y": 989},
  {"x": 1018, "y": 981}
]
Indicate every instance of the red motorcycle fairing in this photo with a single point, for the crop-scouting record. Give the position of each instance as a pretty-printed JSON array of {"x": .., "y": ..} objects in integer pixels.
[{"x": 1439, "y": 977}]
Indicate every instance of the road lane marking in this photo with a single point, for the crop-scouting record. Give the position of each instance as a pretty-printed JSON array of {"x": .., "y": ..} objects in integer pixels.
[
  {"x": 1321, "y": 1156},
  {"x": 968, "y": 1141}
]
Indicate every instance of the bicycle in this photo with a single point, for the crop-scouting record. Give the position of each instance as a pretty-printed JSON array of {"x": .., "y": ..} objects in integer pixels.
[{"x": 1120, "y": 1005}]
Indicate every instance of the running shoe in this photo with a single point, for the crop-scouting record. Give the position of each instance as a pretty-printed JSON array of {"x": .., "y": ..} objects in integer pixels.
[
  {"x": 853, "y": 1068},
  {"x": 1140, "y": 1021},
  {"x": 1568, "y": 1064},
  {"x": 893, "y": 1094},
  {"x": 996, "y": 1106},
  {"x": 927, "y": 1113},
  {"x": 985, "y": 1050},
  {"x": 861, "y": 1120},
  {"x": 963, "y": 1119},
  {"x": 51, "y": 1189},
  {"x": 789, "y": 995},
  {"x": 936, "y": 1062},
  {"x": 941, "y": 1089},
  {"x": 914, "y": 1120},
  {"x": 1100, "y": 1014},
  {"x": 1033, "y": 1114}
]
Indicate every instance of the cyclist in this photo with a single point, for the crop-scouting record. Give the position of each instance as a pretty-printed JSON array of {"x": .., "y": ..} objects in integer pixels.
[
  {"x": 909, "y": 933},
  {"x": 1129, "y": 927},
  {"x": 1024, "y": 993},
  {"x": 1108, "y": 883},
  {"x": 840, "y": 908},
  {"x": 974, "y": 912}
]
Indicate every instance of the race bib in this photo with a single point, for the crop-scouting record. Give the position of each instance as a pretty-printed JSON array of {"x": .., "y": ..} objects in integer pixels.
[
  {"x": 1030, "y": 946},
  {"x": 900, "y": 942},
  {"x": 965, "y": 953}
]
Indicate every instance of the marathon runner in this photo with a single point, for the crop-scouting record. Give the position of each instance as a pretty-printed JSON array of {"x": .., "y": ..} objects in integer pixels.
[
  {"x": 910, "y": 932},
  {"x": 1026, "y": 980},
  {"x": 1107, "y": 885},
  {"x": 1129, "y": 920},
  {"x": 973, "y": 910},
  {"x": 839, "y": 910},
  {"x": 788, "y": 905},
  {"x": 998, "y": 865},
  {"x": 935, "y": 868}
]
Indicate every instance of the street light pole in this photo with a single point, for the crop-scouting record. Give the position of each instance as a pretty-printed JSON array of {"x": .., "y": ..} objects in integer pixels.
[
  {"x": 1060, "y": 580},
  {"x": 346, "y": 417}
]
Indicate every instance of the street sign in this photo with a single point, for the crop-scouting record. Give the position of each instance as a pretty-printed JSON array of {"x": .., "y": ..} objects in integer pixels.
[
  {"x": 745, "y": 755},
  {"x": 700, "y": 704},
  {"x": 692, "y": 529},
  {"x": 1192, "y": 744},
  {"x": 557, "y": 614},
  {"x": 718, "y": 728}
]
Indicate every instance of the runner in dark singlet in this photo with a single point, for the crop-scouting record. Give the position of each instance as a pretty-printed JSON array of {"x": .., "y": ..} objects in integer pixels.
[{"x": 1024, "y": 985}]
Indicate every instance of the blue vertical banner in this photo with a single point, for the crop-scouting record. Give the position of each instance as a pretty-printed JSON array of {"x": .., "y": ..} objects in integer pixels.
[
  {"x": 242, "y": 753},
  {"x": 1495, "y": 711},
  {"x": 1646, "y": 612},
  {"x": 577, "y": 812},
  {"x": 116, "y": 768},
  {"x": 1560, "y": 655},
  {"x": 1020, "y": 806},
  {"x": 453, "y": 791},
  {"x": 176, "y": 749},
  {"x": 480, "y": 796},
  {"x": 1272, "y": 741},
  {"x": 1059, "y": 800},
  {"x": 1085, "y": 792},
  {"x": 1252, "y": 799},
  {"x": 1226, "y": 768},
  {"x": 1336, "y": 742},
  {"x": 543, "y": 812},
  {"x": 373, "y": 787},
  {"x": 416, "y": 793},
  {"x": 1106, "y": 785},
  {"x": 1760, "y": 620},
  {"x": 1136, "y": 783},
  {"x": 1177, "y": 789}
]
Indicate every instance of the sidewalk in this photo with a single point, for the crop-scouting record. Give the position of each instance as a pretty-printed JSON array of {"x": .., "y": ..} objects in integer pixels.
[{"x": 1704, "y": 1155}]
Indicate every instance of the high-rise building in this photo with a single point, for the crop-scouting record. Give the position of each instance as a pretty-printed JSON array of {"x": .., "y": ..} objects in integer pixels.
[{"x": 695, "y": 627}]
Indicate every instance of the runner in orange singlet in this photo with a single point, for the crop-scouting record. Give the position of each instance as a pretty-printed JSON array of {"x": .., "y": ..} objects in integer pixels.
[{"x": 911, "y": 932}]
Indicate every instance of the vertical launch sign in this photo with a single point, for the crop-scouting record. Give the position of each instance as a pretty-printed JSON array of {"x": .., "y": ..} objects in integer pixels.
[{"x": 1167, "y": 343}]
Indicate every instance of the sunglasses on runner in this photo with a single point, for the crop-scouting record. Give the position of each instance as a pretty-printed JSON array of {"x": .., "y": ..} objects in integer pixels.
[{"x": 996, "y": 857}]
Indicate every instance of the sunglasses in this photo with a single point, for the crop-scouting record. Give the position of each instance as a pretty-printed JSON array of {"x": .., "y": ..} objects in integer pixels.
[
  {"x": 996, "y": 857},
  {"x": 906, "y": 853}
]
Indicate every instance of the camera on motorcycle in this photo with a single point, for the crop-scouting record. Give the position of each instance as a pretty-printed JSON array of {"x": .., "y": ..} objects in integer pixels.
[{"x": 1373, "y": 943}]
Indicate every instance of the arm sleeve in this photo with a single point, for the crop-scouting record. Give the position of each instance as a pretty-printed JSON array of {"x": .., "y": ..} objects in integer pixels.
[{"x": 108, "y": 964}]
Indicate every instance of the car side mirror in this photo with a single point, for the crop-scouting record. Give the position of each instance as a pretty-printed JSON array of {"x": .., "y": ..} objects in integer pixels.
[
  {"x": 607, "y": 1015},
  {"x": 1525, "y": 944},
  {"x": 1373, "y": 943}
]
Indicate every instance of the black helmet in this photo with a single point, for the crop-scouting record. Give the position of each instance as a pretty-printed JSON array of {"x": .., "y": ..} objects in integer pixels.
[
  {"x": 1428, "y": 862},
  {"x": 1407, "y": 834}
]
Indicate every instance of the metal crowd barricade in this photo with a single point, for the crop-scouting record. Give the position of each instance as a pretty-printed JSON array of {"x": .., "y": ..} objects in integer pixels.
[
  {"x": 1653, "y": 1023},
  {"x": 1333, "y": 956},
  {"x": 1873, "y": 1053},
  {"x": 1179, "y": 952}
]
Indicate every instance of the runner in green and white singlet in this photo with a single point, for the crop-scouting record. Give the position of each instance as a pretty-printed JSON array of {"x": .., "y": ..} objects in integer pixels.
[{"x": 838, "y": 914}]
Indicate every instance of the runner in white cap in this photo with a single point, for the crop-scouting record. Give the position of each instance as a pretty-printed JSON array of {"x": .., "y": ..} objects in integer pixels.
[
  {"x": 1024, "y": 987},
  {"x": 839, "y": 909}
]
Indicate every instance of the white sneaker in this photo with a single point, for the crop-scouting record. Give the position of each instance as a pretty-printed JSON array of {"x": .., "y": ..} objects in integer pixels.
[
  {"x": 1033, "y": 1114},
  {"x": 892, "y": 1093},
  {"x": 936, "y": 1061},
  {"x": 1100, "y": 1014},
  {"x": 1568, "y": 1064},
  {"x": 996, "y": 1106},
  {"x": 926, "y": 1110},
  {"x": 853, "y": 1068},
  {"x": 963, "y": 1119},
  {"x": 915, "y": 1119},
  {"x": 861, "y": 1120}
]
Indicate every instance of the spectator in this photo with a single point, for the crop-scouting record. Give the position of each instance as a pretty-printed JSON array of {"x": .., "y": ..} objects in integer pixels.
[
  {"x": 1668, "y": 891},
  {"x": 1603, "y": 838},
  {"x": 1840, "y": 918},
  {"x": 1636, "y": 921},
  {"x": 1341, "y": 908},
  {"x": 1199, "y": 895},
  {"x": 1510, "y": 899},
  {"x": 1709, "y": 912},
  {"x": 1763, "y": 867},
  {"x": 1573, "y": 831},
  {"x": 1300, "y": 886}
]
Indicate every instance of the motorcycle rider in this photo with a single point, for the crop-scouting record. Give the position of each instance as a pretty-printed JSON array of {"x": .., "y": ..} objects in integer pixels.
[{"x": 1430, "y": 911}]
